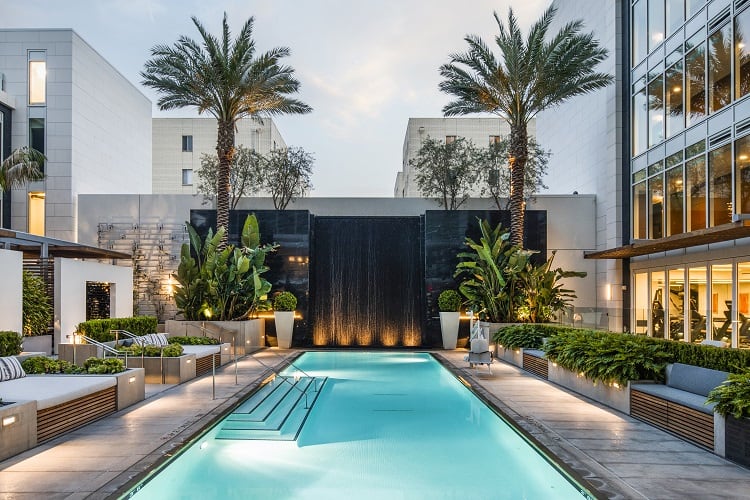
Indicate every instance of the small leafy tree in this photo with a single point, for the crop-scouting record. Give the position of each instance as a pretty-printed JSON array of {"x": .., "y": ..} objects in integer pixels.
[
  {"x": 495, "y": 176},
  {"x": 286, "y": 175},
  {"x": 37, "y": 310},
  {"x": 544, "y": 295},
  {"x": 244, "y": 177},
  {"x": 223, "y": 284},
  {"x": 446, "y": 171}
]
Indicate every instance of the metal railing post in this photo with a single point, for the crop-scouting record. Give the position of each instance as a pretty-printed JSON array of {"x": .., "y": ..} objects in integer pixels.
[{"x": 213, "y": 374}]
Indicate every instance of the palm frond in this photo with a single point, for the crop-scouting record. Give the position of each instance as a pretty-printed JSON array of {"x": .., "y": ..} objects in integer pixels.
[{"x": 22, "y": 166}]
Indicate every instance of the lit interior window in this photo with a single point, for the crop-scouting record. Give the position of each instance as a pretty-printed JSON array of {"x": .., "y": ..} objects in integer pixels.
[
  {"x": 37, "y": 82},
  {"x": 36, "y": 213}
]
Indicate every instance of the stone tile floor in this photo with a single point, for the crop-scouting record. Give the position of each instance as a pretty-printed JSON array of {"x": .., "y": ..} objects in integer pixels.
[{"x": 621, "y": 456}]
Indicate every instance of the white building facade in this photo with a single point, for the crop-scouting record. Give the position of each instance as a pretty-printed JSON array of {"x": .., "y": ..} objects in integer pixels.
[
  {"x": 94, "y": 126},
  {"x": 179, "y": 143},
  {"x": 480, "y": 131}
]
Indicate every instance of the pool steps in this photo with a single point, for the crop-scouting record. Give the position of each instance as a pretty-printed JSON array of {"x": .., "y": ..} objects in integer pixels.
[{"x": 277, "y": 411}]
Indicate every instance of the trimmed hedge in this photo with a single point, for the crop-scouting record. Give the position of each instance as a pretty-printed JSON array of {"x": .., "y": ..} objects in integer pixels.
[
  {"x": 193, "y": 340},
  {"x": 10, "y": 343},
  {"x": 528, "y": 335},
  {"x": 98, "y": 329},
  {"x": 41, "y": 365},
  {"x": 716, "y": 358},
  {"x": 153, "y": 351}
]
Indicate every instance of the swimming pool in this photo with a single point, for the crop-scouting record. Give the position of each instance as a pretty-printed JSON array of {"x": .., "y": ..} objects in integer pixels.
[{"x": 385, "y": 425}]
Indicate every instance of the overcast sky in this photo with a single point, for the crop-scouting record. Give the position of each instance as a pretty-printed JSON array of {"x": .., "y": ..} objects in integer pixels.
[{"x": 366, "y": 66}]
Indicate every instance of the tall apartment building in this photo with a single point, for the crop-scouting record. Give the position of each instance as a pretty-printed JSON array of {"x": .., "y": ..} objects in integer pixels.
[
  {"x": 63, "y": 98},
  {"x": 481, "y": 131},
  {"x": 673, "y": 175},
  {"x": 179, "y": 143}
]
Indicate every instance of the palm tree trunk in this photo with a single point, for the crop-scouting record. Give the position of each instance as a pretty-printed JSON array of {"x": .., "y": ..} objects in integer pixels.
[
  {"x": 518, "y": 153},
  {"x": 225, "y": 152}
]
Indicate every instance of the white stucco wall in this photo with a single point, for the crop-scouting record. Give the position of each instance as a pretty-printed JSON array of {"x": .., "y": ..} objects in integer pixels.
[
  {"x": 70, "y": 292},
  {"x": 11, "y": 292}
]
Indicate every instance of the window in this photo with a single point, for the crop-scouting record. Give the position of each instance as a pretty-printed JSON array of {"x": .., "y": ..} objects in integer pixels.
[
  {"x": 36, "y": 213},
  {"x": 657, "y": 304},
  {"x": 720, "y": 68},
  {"x": 720, "y": 186},
  {"x": 187, "y": 176},
  {"x": 697, "y": 290},
  {"x": 695, "y": 84},
  {"x": 742, "y": 175},
  {"x": 187, "y": 143},
  {"x": 656, "y": 219},
  {"x": 37, "y": 78},
  {"x": 450, "y": 138},
  {"x": 656, "y": 111},
  {"x": 655, "y": 23},
  {"x": 639, "y": 31},
  {"x": 676, "y": 304},
  {"x": 641, "y": 303},
  {"x": 693, "y": 6},
  {"x": 639, "y": 211},
  {"x": 495, "y": 139},
  {"x": 695, "y": 188},
  {"x": 675, "y": 201},
  {"x": 743, "y": 304},
  {"x": 640, "y": 122},
  {"x": 675, "y": 14},
  {"x": 36, "y": 135},
  {"x": 675, "y": 116},
  {"x": 721, "y": 302},
  {"x": 742, "y": 53}
]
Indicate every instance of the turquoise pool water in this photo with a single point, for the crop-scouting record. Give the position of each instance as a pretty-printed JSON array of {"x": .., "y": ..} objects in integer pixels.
[{"x": 386, "y": 425}]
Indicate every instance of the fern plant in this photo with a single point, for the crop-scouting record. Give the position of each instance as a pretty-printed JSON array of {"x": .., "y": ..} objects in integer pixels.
[{"x": 733, "y": 396}]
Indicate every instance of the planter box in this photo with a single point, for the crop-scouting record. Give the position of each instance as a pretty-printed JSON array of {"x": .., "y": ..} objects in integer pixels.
[
  {"x": 737, "y": 440},
  {"x": 165, "y": 370},
  {"x": 20, "y": 435},
  {"x": 131, "y": 387},
  {"x": 514, "y": 357},
  {"x": 249, "y": 334},
  {"x": 78, "y": 353},
  {"x": 38, "y": 343},
  {"x": 614, "y": 397}
]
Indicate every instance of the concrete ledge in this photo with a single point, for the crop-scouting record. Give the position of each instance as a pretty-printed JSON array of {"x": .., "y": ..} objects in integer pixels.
[
  {"x": 20, "y": 434},
  {"x": 78, "y": 353},
  {"x": 607, "y": 394},
  {"x": 131, "y": 387},
  {"x": 514, "y": 357},
  {"x": 165, "y": 370},
  {"x": 248, "y": 335}
]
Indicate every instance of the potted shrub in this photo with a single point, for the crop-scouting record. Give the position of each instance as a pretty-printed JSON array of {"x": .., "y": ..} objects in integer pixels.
[
  {"x": 449, "y": 304},
  {"x": 732, "y": 400},
  {"x": 284, "y": 305}
]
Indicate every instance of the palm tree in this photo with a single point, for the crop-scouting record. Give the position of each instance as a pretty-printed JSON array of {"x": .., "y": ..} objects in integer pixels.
[
  {"x": 531, "y": 75},
  {"x": 22, "y": 166},
  {"x": 228, "y": 80}
]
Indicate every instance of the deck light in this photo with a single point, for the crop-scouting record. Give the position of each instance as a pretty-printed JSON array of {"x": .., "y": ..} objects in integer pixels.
[
  {"x": 9, "y": 420},
  {"x": 204, "y": 445},
  {"x": 131, "y": 380}
]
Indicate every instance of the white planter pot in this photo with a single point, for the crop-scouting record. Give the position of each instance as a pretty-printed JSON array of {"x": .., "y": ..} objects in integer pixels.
[
  {"x": 284, "y": 325},
  {"x": 449, "y": 327}
]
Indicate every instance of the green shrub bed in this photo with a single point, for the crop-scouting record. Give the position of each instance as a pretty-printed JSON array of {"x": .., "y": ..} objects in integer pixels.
[
  {"x": 733, "y": 396},
  {"x": 98, "y": 329},
  {"x": 152, "y": 351},
  {"x": 10, "y": 343},
  {"x": 527, "y": 335},
  {"x": 193, "y": 340},
  {"x": 41, "y": 365}
]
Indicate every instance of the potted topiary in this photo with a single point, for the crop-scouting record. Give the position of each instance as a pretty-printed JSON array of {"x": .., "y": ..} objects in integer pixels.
[
  {"x": 284, "y": 305},
  {"x": 449, "y": 304}
]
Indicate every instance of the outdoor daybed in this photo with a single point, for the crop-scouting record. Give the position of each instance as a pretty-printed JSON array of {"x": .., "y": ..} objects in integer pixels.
[{"x": 37, "y": 408}]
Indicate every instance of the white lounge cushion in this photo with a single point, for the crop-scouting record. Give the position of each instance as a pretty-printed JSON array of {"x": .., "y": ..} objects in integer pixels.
[
  {"x": 10, "y": 369},
  {"x": 151, "y": 339},
  {"x": 201, "y": 350},
  {"x": 52, "y": 390}
]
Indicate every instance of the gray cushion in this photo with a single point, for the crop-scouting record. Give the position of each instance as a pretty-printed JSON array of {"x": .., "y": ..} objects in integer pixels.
[
  {"x": 689, "y": 399},
  {"x": 694, "y": 378}
]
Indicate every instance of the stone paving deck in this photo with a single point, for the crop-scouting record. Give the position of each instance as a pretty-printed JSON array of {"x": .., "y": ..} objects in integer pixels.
[{"x": 621, "y": 456}]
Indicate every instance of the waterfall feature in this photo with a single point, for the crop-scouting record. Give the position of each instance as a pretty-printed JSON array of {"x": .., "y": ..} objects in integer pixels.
[{"x": 367, "y": 282}]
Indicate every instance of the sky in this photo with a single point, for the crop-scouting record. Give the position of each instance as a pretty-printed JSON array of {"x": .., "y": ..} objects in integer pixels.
[{"x": 365, "y": 66}]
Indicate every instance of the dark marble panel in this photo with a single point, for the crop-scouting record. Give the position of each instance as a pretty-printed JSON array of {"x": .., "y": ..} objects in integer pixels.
[
  {"x": 289, "y": 265},
  {"x": 444, "y": 235}
]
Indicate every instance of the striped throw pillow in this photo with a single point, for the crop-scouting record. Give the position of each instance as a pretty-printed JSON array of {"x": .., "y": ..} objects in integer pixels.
[{"x": 10, "y": 369}]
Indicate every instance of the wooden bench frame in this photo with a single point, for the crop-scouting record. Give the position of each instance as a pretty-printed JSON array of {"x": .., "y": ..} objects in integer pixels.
[
  {"x": 59, "y": 419},
  {"x": 203, "y": 365},
  {"x": 536, "y": 365},
  {"x": 689, "y": 424}
]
